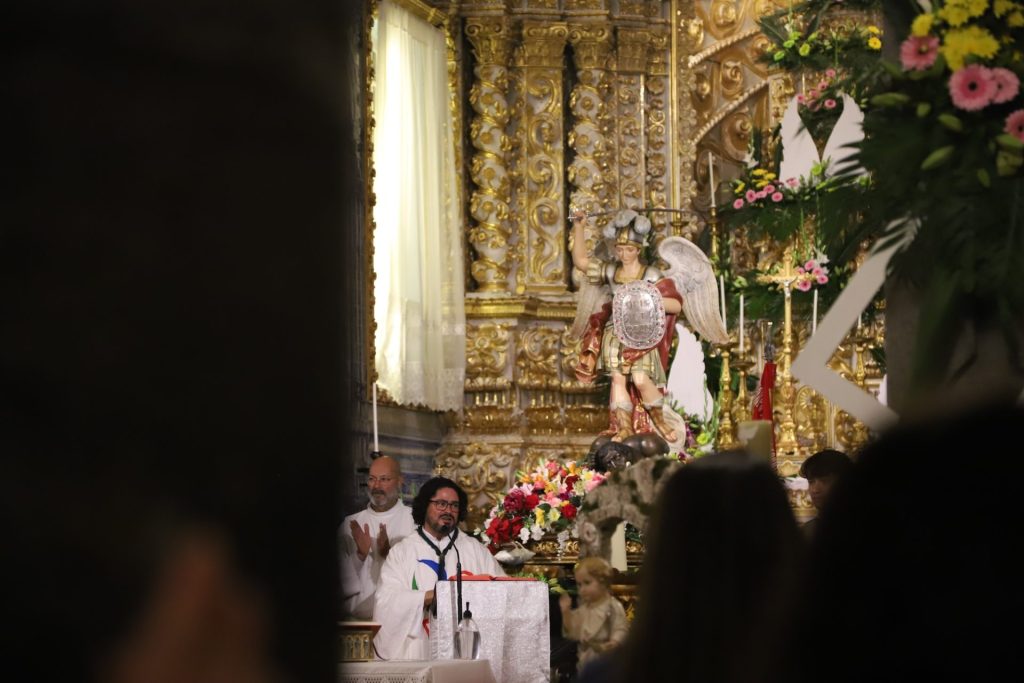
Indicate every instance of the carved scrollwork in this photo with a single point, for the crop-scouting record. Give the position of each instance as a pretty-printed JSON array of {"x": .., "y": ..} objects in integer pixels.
[
  {"x": 537, "y": 359},
  {"x": 487, "y": 348},
  {"x": 489, "y": 203},
  {"x": 485, "y": 471},
  {"x": 737, "y": 132},
  {"x": 542, "y": 268}
]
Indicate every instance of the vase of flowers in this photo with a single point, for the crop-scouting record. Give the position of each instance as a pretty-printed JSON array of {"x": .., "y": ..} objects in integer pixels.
[
  {"x": 543, "y": 502},
  {"x": 944, "y": 147}
]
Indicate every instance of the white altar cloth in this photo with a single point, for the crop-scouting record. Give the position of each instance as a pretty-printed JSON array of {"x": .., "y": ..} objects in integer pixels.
[
  {"x": 514, "y": 629},
  {"x": 416, "y": 671}
]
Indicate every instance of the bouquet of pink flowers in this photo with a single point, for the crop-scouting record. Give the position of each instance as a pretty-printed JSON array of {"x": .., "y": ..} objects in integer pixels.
[{"x": 544, "y": 500}]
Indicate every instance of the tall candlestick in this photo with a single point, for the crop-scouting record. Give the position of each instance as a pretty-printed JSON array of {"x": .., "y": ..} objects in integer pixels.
[
  {"x": 721, "y": 286},
  {"x": 740, "y": 332},
  {"x": 376, "y": 444},
  {"x": 814, "y": 314},
  {"x": 711, "y": 178}
]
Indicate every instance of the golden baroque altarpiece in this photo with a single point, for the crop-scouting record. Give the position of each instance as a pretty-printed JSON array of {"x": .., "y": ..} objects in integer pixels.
[{"x": 598, "y": 104}]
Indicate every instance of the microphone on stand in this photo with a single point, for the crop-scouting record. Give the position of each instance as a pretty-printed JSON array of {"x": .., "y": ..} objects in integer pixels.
[{"x": 458, "y": 571}]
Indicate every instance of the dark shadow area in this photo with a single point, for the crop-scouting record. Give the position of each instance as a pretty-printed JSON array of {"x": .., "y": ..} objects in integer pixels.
[{"x": 173, "y": 337}]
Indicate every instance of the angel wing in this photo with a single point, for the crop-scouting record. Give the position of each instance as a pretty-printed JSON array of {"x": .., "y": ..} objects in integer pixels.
[
  {"x": 691, "y": 271},
  {"x": 799, "y": 155}
]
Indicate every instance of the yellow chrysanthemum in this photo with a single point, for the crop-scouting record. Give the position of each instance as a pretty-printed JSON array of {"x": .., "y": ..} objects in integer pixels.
[
  {"x": 954, "y": 14},
  {"x": 976, "y": 7},
  {"x": 922, "y": 25},
  {"x": 1001, "y": 7},
  {"x": 970, "y": 41},
  {"x": 769, "y": 175},
  {"x": 874, "y": 43},
  {"x": 874, "y": 30},
  {"x": 1015, "y": 19},
  {"x": 538, "y": 514},
  {"x": 758, "y": 172}
]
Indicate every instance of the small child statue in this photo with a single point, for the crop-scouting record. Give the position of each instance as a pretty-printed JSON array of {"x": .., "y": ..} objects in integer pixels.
[{"x": 599, "y": 623}]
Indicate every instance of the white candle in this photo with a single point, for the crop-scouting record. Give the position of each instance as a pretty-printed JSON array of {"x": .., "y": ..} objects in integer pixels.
[
  {"x": 814, "y": 314},
  {"x": 721, "y": 285},
  {"x": 742, "y": 305},
  {"x": 711, "y": 178},
  {"x": 860, "y": 321},
  {"x": 376, "y": 444}
]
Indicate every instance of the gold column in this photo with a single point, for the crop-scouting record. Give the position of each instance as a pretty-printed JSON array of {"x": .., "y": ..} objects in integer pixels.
[
  {"x": 489, "y": 204},
  {"x": 541, "y": 247},
  {"x": 630, "y": 89},
  {"x": 588, "y": 171},
  {"x": 657, "y": 126}
]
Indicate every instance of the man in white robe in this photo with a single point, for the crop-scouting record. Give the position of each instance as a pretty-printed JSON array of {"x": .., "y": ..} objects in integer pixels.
[
  {"x": 368, "y": 535},
  {"x": 418, "y": 562}
]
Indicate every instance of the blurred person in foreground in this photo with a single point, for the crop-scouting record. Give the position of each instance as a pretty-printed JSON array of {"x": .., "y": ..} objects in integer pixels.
[
  {"x": 720, "y": 571},
  {"x": 367, "y": 537},
  {"x": 915, "y": 571}
]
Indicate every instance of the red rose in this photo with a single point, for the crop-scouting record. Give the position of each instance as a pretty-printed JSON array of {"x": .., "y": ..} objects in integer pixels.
[
  {"x": 570, "y": 480},
  {"x": 517, "y": 526},
  {"x": 569, "y": 511},
  {"x": 514, "y": 501},
  {"x": 532, "y": 500}
]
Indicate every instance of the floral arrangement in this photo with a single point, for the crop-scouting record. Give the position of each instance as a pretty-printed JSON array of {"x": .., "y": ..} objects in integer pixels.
[
  {"x": 813, "y": 272},
  {"x": 543, "y": 501},
  {"x": 800, "y": 40},
  {"x": 944, "y": 144}
]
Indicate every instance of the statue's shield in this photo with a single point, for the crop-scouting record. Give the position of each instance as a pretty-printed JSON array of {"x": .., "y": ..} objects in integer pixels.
[{"x": 638, "y": 314}]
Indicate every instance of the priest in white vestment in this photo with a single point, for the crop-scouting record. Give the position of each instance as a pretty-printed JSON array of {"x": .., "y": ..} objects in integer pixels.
[
  {"x": 368, "y": 535},
  {"x": 415, "y": 565}
]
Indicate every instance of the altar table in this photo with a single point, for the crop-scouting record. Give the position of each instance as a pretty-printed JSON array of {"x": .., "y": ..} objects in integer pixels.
[
  {"x": 514, "y": 628},
  {"x": 417, "y": 671}
]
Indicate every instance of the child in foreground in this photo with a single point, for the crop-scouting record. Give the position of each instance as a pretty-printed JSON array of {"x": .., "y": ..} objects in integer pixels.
[{"x": 599, "y": 623}]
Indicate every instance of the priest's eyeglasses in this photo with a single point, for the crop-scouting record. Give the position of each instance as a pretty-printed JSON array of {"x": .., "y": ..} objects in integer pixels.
[
  {"x": 443, "y": 505},
  {"x": 379, "y": 480}
]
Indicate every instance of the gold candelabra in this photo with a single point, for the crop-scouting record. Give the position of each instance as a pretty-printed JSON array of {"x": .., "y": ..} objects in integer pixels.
[
  {"x": 715, "y": 239},
  {"x": 862, "y": 336},
  {"x": 787, "y": 449},
  {"x": 726, "y": 437},
  {"x": 741, "y": 411}
]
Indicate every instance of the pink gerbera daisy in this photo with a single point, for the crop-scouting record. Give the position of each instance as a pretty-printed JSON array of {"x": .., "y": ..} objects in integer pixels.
[
  {"x": 830, "y": 103},
  {"x": 972, "y": 87},
  {"x": 776, "y": 197},
  {"x": 800, "y": 98},
  {"x": 738, "y": 204},
  {"x": 810, "y": 265},
  {"x": 769, "y": 188},
  {"x": 792, "y": 182},
  {"x": 917, "y": 53},
  {"x": 751, "y": 196},
  {"x": 822, "y": 279},
  {"x": 830, "y": 73},
  {"x": 1015, "y": 124},
  {"x": 1007, "y": 85},
  {"x": 761, "y": 194},
  {"x": 803, "y": 285}
]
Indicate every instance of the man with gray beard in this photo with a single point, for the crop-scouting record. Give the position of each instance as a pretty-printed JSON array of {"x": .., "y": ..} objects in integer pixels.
[{"x": 367, "y": 537}]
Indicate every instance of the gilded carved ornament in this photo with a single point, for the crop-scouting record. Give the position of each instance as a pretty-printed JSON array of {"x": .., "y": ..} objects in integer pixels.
[
  {"x": 537, "y": 359},
  {"x": 487, "y": 349},
  {"x": 483, "y": 470}
]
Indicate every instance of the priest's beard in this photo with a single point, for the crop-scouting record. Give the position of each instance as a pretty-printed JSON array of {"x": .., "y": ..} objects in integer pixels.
[{"x": 442, "y": 528}]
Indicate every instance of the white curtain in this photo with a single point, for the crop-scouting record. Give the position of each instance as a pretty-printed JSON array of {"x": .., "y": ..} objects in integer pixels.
[{"x": 418, "y": 258}]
